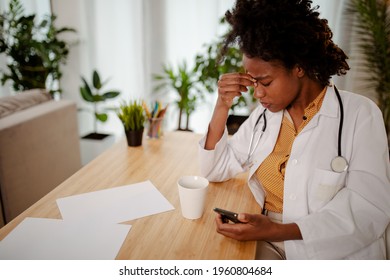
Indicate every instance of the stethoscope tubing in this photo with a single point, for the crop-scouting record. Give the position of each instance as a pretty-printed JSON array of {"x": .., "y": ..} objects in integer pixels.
[
  {"x": 251, "y": 151},
  {"x": 340, "y": 162},
  {"x": 341, "y": 121}
]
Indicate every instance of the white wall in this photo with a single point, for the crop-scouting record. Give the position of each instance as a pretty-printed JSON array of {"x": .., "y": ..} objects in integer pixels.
[{"x": 128, "y": 41}]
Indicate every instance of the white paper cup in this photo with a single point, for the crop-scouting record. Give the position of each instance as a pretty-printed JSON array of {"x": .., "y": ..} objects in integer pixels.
[{"x": 192, "y": 193}]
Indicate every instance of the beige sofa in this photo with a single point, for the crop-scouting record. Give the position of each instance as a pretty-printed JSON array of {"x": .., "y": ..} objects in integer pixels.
[{"x": 39, "y": 148}]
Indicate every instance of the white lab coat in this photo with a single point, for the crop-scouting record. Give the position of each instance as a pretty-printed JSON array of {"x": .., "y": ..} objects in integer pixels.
[{"x": 340, "y": 215}]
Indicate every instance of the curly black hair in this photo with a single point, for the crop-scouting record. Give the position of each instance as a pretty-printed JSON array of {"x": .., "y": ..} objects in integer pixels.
[{"x": 288, "y": 31}]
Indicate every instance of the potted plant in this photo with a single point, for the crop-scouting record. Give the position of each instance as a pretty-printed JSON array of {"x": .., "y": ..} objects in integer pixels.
[
  {"x": 209, "y": 68},
  {"x": 34, "y": 50},
  {"x": 92, "y": 93},
  {"x": 372, "y": 26},
  {"x": 184, "y": 83},
  {"x": 132, "y": 116},
  {"x": 94, "y": 143}
]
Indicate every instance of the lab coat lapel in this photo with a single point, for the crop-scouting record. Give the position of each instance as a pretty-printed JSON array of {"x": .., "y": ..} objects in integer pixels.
[
  {"x": 329, "y": 108},
  {"x": 267, "y": 143}
]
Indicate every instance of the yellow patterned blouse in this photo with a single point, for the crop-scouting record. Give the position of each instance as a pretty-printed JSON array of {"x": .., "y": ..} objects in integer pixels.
[{"x": 271, "y": 172}]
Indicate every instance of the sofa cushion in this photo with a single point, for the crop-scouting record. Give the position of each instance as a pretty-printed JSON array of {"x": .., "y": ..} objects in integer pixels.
[
  {"x": 22, "y": 100},
  {"x": 39, "y": 149}
]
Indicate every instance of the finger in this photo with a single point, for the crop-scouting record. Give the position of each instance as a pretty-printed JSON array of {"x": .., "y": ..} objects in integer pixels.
[
  {"x": 253, "y": 219},
  {"x": 228, "y": 234},
  {"x": 236, "y": 82},
  {"x": 244, "y": 218},
  {"x": 235, "y": 231},
  {"x": 218, "y": 220},
  {"x": 228, "y": 97},
  {"x": 230, "y": 94},
  {"x": 233, "y": 88},
  {"x": 223, "y": 227},
  {"x": 236, "y": 79}
]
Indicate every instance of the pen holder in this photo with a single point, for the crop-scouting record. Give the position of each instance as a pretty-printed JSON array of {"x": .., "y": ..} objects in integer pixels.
[{"x": 155, "y": 127}]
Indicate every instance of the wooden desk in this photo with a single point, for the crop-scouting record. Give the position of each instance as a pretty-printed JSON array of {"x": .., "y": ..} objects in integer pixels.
[{"x": 167, "y": 235}]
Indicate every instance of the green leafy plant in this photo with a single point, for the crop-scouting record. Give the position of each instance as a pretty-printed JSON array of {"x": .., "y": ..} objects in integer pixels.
[
  {"x": 34, "y": 50},
  {"x": 209, "y": 68},
  {"x": 184, "y": 82},
  {"x": 93, "y": 93},
  {"x": 373, "y": 35},
  {"x": 191, "y": 84},
  {"x": 132, "y": 115}
]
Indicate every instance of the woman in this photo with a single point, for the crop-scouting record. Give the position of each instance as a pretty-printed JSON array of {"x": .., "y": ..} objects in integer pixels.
[{"x": 324, "y": 191}]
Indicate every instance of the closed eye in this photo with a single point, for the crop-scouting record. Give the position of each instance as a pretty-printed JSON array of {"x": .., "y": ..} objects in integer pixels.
[
  {"x": 263, "y": 83},
  {"x": 265, "y": 80},
  {"x": 266, "y": 84}
]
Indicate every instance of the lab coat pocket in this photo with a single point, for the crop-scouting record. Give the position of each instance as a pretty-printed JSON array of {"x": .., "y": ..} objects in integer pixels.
[{"x": 324, "y": 186}]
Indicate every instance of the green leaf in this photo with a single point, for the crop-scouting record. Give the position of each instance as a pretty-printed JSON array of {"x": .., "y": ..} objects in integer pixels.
[
  {"x": 101, "y": 117},
  {"x": 86, "y": 94},
  {"x": 96, "y": 80},
  {"x": 98, "y": 98},
  {"x": 111, "y": 94},
  {"x": 66, "y": 29}
]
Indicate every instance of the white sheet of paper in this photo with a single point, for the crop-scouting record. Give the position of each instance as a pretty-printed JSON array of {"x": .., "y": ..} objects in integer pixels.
[
  {"x": 50, "y": 239},
  {"x": 115, "y": 205}
]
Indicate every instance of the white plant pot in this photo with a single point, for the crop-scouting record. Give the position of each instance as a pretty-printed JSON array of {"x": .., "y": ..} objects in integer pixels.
[{"x": 91, "y": 148}]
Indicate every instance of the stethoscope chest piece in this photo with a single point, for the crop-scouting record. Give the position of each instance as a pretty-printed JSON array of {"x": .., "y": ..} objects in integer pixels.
[{"x": 339, "y": 164}]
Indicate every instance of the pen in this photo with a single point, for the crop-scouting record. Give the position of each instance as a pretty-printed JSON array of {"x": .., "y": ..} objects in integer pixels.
[
  {"x": 148, "y": 115},
  {"x": 162, "y": 112},
  {"x": 156, "y": 109}
]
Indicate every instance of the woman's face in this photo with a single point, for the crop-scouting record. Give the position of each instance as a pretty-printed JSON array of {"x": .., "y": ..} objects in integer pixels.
[{"x": 277, "y": 87}]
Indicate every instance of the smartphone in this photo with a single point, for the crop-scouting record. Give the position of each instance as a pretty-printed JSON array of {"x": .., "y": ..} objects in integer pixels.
[{"x": 227, "y": 215}]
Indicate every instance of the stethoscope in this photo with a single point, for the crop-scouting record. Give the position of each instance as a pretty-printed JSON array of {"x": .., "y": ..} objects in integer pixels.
[{"x": 338, "y": 164}]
